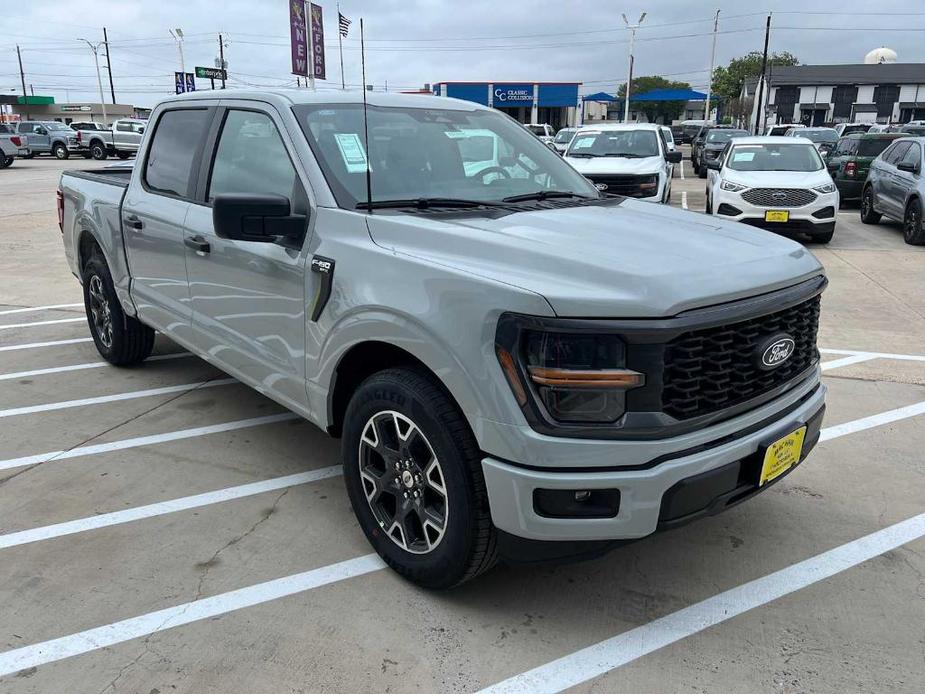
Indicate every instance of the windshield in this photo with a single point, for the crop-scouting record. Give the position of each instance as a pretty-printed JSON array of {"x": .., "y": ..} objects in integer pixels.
[
  {"x": 818, "y": 135},
  {"x": 721, "y": 136},
  {"x": 634, "y": 144},
  {"x": 873, "y": 146},
  {"x": 855, "y": 129},
  {"x": 418, "y": 153},
  {"x": 796, "y": 157},
  {"x": 914, "y": 129},
  {"x": 565, "y": 136},
  {"x": 539, "y": 130}
]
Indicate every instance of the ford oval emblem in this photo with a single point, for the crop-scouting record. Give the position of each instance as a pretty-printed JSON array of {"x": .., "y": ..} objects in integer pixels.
[
  {"x": 779, "y": 195},
  {"x": 776, "y": 351},
  {"x": 600, "y": 186}
]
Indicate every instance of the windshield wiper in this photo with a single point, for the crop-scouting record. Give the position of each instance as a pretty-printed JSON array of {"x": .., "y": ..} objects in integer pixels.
[
  {"x": 425, "y": 203},
  {"x": 544, "y": 195},
  {"x": 589, "y": 155},
  {"x": 627, "y": 155}
]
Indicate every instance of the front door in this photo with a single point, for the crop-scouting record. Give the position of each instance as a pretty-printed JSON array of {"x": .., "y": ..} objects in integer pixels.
[
  {"x": 154, "y": 214},
  {"x": 248, "y": 297}
]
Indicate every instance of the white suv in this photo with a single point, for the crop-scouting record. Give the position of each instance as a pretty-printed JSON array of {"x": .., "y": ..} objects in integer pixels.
[
  {"x": 776, "y": 183},
  {"x": 631, "y": 160}
]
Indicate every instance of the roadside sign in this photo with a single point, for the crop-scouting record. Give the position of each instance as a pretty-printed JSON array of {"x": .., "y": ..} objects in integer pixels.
[
  {"x": 180, "y": 82},
  {"x": 190, "y": 82},
  {"x": 211, "y": 73}
]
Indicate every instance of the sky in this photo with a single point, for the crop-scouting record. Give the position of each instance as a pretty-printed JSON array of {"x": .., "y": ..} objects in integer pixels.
[{"x": 410, "y": 43}]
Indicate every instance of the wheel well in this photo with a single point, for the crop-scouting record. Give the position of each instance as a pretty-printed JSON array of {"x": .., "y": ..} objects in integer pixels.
[
  {"x": 85, "y": 248},
  {"x": 358, "y": 364}
]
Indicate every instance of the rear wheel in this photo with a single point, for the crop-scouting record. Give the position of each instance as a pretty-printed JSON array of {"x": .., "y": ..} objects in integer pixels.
[
  {"x": 120, "y": 339},
  {"x": 60, "y": 151},
  {"x": 414, "y": 477},
  {"x": 913, "y": 229},
  {"x": 122, "y": 155},
  {"x": 6, "y": 162},
  {"x": 868, "y": 214},
  {"x": 97, "y": 151}
]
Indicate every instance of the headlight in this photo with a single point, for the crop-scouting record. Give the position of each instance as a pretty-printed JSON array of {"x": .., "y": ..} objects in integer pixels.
[
  {"x": 827, "y": 188},
  {"x": 575, "y": 377},
  {"x": 731, "y": 187}
]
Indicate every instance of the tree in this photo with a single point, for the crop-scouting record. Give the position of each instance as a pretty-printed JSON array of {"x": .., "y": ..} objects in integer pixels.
[
  {"x": 667, "y": 110},
  {"x": 728, "y": 80}
]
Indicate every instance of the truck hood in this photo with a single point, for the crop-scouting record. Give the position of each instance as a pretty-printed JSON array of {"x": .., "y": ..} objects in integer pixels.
[
  {"x": 778, "y": 179},
  {"x": 615, "y": 165},
  {"x": 628, "y": 260}
]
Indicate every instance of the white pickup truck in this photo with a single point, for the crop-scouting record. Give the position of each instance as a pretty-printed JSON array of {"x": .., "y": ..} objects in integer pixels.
[
  {"x": 518, "y": 366},
  {"x": 11, "y": 146},
  {"x": 122, "y": 140}
]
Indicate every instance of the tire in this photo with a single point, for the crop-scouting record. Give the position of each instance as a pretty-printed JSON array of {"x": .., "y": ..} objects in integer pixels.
[
  {"x": 823, "y": 237},
  {"x": 708, "y": 208},
  {"x": 868, "y": 214},
  {"x": 121, "y": 340},
  {"x": 703, "y": 172},
  {"x": 411, "y": 401},
  {"x": 31, "y": 155},
  {"x": 59, "y": 150},
  {"x": 97, "y": 151},
  {"x": 913, "y": 227},
  {"x": 122, "y": 155},
  {"x": 6, "y": 162}
]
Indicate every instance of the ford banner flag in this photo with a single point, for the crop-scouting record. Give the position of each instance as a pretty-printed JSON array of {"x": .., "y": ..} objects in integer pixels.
[{"x": 317, "y": 29}]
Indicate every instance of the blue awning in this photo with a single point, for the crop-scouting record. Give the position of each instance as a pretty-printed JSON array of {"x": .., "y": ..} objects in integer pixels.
[
  {"x": 600, "y": 96},
  {"x": 669, "y": 95}
]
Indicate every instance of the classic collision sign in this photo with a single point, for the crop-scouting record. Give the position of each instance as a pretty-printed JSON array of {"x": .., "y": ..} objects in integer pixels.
[{"x": 514, "y": 93}]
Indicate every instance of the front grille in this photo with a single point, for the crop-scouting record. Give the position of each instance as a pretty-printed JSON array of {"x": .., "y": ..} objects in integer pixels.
[
  {"x": 627, "y": 185},
  {"x": 711, "y": 369},
  {"x": 778, "y": 197}
]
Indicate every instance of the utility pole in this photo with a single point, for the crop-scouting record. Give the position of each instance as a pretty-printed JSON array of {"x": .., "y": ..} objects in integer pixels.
[
  {"x": 112, "y": 89},
  {"x": 629, "y": 81},
  {"x": 95, "y": 47},
  {"x": 706, "y": 110},
  {"x": 22, "y": 76},
  {"x": 759, "y": 115},
  {"x": 178, "y": 37},
  {"x": 221, "y": 57}
]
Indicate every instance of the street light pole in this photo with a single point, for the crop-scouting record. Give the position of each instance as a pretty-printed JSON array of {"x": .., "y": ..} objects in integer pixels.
[
  {"x": 629, "y": 81},
  {"x": 99, "y": 80},
  {"x": 706, "y": 110},
  {"x": 178, "y": 37}
]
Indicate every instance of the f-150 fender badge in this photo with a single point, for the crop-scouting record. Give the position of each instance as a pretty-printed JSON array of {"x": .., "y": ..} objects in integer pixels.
[{"x": 325, "y": 268}]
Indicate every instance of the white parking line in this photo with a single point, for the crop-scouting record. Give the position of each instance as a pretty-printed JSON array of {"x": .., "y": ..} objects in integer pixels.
[
  {"x": 81, "y": 367},
  {"x": 95, "y": 449},
  {"x": 132, "y": 395},
  {"x": 52, "y": 343},
  {"x": 876, "y": 420},
  {"x": 30, "y": 309},
  {"x": 624, "y": 648},
  {"x": 186, "y": 613},
  {"x": 682, "y": 169},
  {"x": 105, "y": 520},
  {"x": 876, "y": 355},
  {"x": 82, "y": 319},
  {"x": 847, "y": 361},
  {"x": 683, "y": 199}
]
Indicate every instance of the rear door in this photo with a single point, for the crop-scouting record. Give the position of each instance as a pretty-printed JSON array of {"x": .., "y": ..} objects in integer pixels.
[
  {"x": 907, "y": 181},
  {"x": 154, "y": 214},
  {"x": 888, "y": 193},
  {"x": 249, "y": 298}
]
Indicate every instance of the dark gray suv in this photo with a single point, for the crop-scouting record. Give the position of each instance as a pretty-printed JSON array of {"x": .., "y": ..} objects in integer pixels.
[{"x": 895, "y": 188}]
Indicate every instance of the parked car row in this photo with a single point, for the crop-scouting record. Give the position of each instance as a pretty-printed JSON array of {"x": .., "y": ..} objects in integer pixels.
[{"x": 87, "y": 139}]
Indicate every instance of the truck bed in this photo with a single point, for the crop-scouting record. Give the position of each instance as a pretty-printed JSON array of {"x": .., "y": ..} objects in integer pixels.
[{"x": 115, "y": 176}]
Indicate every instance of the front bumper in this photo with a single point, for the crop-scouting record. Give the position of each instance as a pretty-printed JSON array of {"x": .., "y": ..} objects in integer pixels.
[
  {"x": 701, "y": 479},
  {"x": 818, "y": 216}
]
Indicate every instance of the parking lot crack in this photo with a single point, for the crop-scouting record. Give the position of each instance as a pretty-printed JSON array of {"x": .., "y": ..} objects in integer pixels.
[{"x": 206, "y": 566}]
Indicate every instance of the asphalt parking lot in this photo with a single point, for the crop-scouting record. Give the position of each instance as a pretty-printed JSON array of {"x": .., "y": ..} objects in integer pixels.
[{"x": 166, "y": 529}]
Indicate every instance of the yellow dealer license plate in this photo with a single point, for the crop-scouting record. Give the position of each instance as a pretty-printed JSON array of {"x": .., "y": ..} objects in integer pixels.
[
  {"x": 777, "y": 216},
  {"x": 782, "y": 455}
]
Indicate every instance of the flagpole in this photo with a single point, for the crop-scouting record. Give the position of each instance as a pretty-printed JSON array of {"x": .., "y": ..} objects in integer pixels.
[{"x": 340, "y": 45}]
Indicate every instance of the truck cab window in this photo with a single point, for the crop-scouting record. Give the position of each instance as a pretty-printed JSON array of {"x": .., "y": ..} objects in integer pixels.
[
  {"x": 170, "y": 159},
  {"x": 251, "y": 158}
]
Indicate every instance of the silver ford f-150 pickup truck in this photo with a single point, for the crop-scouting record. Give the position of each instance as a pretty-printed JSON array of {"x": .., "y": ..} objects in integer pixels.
[{"x": 517, "y": 365}]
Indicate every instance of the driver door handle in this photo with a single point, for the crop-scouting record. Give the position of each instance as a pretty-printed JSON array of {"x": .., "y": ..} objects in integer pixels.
[
  {"x": 197, "y": 243},
  {"x": 134, "y": 223}
]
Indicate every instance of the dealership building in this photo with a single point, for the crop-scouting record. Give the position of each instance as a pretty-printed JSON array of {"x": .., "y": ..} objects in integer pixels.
[{"x": 555, "y": 103}]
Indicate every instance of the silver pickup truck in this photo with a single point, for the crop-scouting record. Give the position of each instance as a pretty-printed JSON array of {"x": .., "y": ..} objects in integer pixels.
[
  {"x": 517, "y": 365},
  {"x": 121, "y": 140}
]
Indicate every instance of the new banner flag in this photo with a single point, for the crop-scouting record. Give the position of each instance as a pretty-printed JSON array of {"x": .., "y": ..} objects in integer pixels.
[{"x": 298, "y": 37}]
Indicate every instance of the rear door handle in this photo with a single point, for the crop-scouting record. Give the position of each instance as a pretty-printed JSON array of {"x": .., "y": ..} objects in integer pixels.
[
  {"x": 197, "y": 243},
  {"x": 134, "y": 223}
]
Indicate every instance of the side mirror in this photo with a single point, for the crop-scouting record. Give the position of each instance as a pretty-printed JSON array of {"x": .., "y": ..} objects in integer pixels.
[
  {"x": 714, "y": 164},
  {"x": 552, "y": 147},
  {"x": 673, "y": 157},
  {"x": 259, "y": 218},
  {"x": 907, "y": 166}
]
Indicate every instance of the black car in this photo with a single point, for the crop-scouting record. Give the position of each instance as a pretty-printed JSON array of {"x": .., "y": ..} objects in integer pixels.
[
  {"x": 697, "y": 145},
  {"x": 713, "y": 144}
]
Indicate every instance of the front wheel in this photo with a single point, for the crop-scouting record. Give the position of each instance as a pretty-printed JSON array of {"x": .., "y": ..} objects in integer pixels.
[
  {"x": 120, "y": 339},
  {"x": 414, "y": 477},
  {"x": 122, "y": 155},
  {"x": 868, "y": 214},
  {"x": 6, "y": 162},
  {"x": 97, "y": 151},
  {"x": 823, "y": 237},
  {"x": 913, "y": 229},
  {"x": 60, "y": 151}
]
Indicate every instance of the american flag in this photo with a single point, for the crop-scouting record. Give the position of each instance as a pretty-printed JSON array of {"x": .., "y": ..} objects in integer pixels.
[{"x": 344, "y": 24}]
